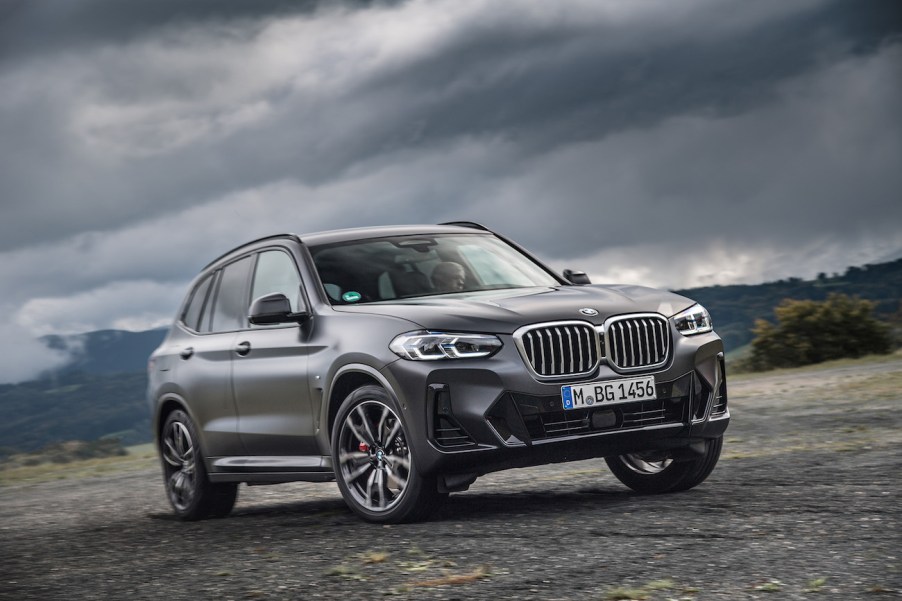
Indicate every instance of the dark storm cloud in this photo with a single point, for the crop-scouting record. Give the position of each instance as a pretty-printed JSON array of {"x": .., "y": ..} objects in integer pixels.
[
  {"x": 51, "y": 188},
  {"x": 583, "y": 82},
  {"x": 40, "y": 27},
  {"x": 539, "y": 86}
]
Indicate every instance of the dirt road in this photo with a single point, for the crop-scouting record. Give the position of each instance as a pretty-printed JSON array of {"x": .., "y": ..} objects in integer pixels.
[{"x": 805, "y": 504}]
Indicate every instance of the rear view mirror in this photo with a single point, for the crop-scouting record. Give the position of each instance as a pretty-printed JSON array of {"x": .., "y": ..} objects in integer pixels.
[
  {"x": 272, "y": 309},
  {"x": 576, "y": 277}
]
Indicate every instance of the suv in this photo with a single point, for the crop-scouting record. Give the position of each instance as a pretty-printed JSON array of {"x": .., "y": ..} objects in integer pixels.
[{"x": 405, "y": 362}]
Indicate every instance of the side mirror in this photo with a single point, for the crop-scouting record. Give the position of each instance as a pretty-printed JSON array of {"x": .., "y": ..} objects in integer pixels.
[
  {"x": 272, "y": 309},
  {"x": 576, "y": 277}
]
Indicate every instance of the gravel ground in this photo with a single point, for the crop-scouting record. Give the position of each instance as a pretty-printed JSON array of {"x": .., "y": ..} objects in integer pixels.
[{"x": 803, "y": 505}]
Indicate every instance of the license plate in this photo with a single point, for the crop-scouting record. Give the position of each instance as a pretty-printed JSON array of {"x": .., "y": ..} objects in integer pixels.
[{"x": 609, "y": 392}]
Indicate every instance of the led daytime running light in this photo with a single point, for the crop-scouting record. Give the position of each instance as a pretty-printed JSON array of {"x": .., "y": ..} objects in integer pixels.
[{"x": 433, "y": 346}]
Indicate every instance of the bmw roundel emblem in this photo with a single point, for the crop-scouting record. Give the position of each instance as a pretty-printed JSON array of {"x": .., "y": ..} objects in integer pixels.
[{"x": 589, "y": 312}]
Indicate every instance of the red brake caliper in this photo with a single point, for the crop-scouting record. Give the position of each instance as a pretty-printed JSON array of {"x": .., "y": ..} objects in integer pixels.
[{"x": 364, "y": 448}]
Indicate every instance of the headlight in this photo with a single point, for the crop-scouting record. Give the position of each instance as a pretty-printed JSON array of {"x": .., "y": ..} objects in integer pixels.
[
  {"x": 694, "y": 320},
  {"x": 430, "y": 346}
]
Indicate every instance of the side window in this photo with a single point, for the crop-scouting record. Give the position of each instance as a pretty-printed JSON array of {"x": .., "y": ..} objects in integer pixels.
[
  {"x": 206, "y": 318},
  {"x": 194, "y": 310},
  {"x": 230, "y": 308},
  {"x": 276, "y": 272}
]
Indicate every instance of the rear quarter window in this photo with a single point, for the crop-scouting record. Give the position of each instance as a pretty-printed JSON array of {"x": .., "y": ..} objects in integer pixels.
[{"x": 194, "y": 310}]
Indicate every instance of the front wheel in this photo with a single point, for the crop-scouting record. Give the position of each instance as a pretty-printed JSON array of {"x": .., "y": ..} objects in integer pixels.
[
  {"x": 655, "y": 472},
  {"x": 191, "y": 494},
  {"x": 375, "y": 467}
]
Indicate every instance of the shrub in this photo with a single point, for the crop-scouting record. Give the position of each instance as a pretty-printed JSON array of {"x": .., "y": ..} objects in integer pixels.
[{"x": 814, "y": 331}]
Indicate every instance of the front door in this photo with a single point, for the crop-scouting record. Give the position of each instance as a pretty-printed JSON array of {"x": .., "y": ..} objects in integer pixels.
[{"x": 269, "y": 370}]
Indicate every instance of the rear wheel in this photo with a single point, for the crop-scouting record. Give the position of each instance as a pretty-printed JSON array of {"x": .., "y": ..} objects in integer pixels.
[
  {"x": 191, "y": 494},
  {"x": 374, "y": 464},
  {"x": 654, "y": 472}
]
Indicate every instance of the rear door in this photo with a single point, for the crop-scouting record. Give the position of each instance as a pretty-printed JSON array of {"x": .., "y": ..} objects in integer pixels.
[{"x": 212, "y": 321}]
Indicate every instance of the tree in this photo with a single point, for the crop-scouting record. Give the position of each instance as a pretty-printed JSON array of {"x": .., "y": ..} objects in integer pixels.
[{"x": 810, "y": 331}]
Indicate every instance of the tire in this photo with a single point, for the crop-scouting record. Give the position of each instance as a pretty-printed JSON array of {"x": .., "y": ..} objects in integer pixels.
[
  {"x": 191, "y": 494},
  {"x": 375, "y": 467},
  {"x": 655, "y": 472}
]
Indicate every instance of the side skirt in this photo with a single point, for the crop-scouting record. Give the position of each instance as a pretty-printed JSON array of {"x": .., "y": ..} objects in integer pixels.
[{"x": 271, "y": 470}]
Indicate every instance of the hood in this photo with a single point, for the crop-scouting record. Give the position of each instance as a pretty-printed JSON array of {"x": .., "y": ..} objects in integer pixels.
[{"x": 504, "y": 311}]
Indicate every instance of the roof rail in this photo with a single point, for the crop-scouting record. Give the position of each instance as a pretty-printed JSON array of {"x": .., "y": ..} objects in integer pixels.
[
  {"x": 294, "y": 237},
  {"x": 470, "y": 224}
]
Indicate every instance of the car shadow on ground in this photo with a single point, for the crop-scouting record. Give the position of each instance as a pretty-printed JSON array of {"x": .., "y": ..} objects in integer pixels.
[
  {"x": 468, "y": 506},
  {"x": 477, "y": 505}
]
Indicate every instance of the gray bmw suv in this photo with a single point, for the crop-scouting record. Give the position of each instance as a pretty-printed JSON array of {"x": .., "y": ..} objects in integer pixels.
[{"x": 405, "y": 362}]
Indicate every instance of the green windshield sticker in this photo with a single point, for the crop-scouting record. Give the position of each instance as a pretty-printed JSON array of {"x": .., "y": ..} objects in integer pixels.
[{"x": 351, "y": 296}]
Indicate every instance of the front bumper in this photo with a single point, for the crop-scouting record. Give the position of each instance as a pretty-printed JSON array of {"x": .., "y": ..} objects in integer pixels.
[{"x": 472, "y": 417}]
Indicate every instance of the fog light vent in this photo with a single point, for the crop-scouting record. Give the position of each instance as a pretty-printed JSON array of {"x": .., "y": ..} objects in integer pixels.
[
  {"x": 720, "y": 401},
  {"x": 449, "y": 434},
  {"x": 701, "y": 397},
  {"x": 446, "y": 431}
]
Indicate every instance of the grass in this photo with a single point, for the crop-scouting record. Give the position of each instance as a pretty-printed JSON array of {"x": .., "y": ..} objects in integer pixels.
[
  {"x": 886, "y": 387},
  {"x": 422, "y": 570},
  {"x": 816, "y": 367},
  {"x": 646, "y": 591},
  {"x": 816, "y": 585},
  {"x": 416, "y": 566},
  {"x": 626, "y": 594},
  {"x": 739, "y": 354},
  {"x": 375, "y": 557},
  {"x": 855, "y": 397},
  {"x": 771, "y": 586},
  {"x": 137, "y": 457}
]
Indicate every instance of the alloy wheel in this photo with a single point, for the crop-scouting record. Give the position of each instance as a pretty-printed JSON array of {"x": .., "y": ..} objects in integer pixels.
[
  {"x": 180, "y": 455},
  {"x": 373, "y": 456},
  {"x": 646, "y": 463}
]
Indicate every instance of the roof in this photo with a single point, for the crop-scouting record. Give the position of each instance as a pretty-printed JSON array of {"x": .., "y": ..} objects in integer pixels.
[{"x": 360, "y": 233}]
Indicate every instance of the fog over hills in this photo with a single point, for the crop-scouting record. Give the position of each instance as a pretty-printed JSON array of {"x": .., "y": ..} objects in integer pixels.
[{"x": 106, "y": 351}]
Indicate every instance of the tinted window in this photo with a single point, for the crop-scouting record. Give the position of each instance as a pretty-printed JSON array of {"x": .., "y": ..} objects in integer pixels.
[
  {"x": 276, "y": 272},
  {"x": 414, "y": 266},
  {"x": 230, "y": 309},
  {"x": 206, "y": 317},
  {"x": 191, "y": 316}
]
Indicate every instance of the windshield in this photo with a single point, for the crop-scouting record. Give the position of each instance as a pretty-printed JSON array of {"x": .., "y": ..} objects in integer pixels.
[{"x": 414, "y": 266}]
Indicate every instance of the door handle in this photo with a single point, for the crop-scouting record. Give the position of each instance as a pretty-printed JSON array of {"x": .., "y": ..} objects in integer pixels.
[
  {"x": 187, "y": 352},
  {"x": 243, "y": 348}
]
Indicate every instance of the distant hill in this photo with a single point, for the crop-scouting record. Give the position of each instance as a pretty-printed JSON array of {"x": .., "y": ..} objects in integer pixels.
[
  {"x": 101, "y": 393},
  {"x": 107, "y": 351},
  {"x": 734, "y": 309},
  {"x": 74, "y": 406}
]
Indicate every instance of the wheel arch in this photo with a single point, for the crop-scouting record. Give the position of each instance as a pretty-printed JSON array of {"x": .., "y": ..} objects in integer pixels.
[
  {"x": 165, "y": 406},
  {"x": 348, "y": 379}
]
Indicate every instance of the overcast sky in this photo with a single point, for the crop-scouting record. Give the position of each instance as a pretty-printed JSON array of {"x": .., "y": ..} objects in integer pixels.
[{"x": 667, "y": 143}]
